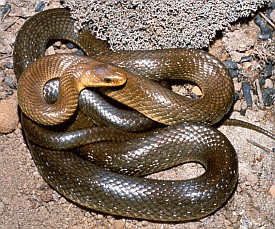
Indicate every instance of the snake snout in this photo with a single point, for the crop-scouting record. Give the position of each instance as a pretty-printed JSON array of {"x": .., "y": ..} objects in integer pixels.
[{"x": 109, "y": 75}]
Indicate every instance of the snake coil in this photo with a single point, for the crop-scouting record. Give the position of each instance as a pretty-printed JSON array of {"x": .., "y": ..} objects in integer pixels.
[{"x": 186, "y": 136}]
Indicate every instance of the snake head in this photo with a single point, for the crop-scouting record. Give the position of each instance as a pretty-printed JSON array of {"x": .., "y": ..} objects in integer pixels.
[{"x": 98, "y": 74}]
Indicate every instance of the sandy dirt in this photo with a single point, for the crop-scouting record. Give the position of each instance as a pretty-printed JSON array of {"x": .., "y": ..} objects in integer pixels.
[{"x": 26, "y": 201}]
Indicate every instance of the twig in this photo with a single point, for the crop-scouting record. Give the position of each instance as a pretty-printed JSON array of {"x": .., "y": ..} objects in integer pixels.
[
  {"x": 259, "y": 146},
  {"x": 4, "y": 57},
  {"x": 261, "y": 101},
  {"x": 11, "y": 24},
  {"x": 268, "y": 20}
]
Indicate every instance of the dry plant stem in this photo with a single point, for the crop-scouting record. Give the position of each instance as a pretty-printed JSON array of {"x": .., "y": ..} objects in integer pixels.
[
  {"x": 4, "y": 57},
  {"x": 261, "y": 101},
  {"x": 259, "y": 146},
  {"x": 270, "y": 22}
]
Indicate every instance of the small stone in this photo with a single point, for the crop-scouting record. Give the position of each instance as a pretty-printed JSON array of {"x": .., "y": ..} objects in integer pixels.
[
  {"x": 236, "y": 56},
  {"x": 247, "y": 65},
  {"x": 61, "y": 51},
  {"x": 268, "y": 69},
  {"x": 57, "y": 44},
  {"x": 159, "y": 31},
  {"x": 266, "y": 32},
  {"x": 269, "y": 83},
  {"x": 62, "y": 200},
  {"x": 253, "y": 179},
  {"x": 10, "y": 79},
  {"x": 70, "y": 45},
  {"x": 99, "y": 216},
  {"x": 40, "y": 6},
  {"x": 3, "y": 95},
  {"x": 242, "y": 48},
  {"x": 50, "y": 51},
  {"x": 2, "y": 205},
  {"x": 8, "y": 116},
  {"x": 244, "y": 105},
  {"x": 242, "y": 112},
  {"x": 237, "y": 85},
  {"x": 272, "y": 15},
  {"x": 63, "y": 46},
  {"x": 268, "y": 96},
  {"x": 272, "y": 191},
  {"x": 232, "y": 67},
  {"x": 229, "y": 227},
  {"x": 36, "y": 174},
  {"x": 246, "y": 93},
  {"x": 78, "y": 52},
  {"x": 56, "y": 196},
  {"x": 238, "y": 105},
  {"x": 119, "y": 224},
  {"x": 196, "y": 90},
  {"x": 245, "y": 59},
  {"x": 47, "y": 197},
  {"x": 2, "y": 2}
]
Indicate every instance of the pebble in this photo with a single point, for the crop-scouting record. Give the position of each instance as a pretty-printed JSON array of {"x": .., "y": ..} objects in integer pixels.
[
  {"x": 3, "y": 93},
  {"x": 271, "y": 191},
  {"x": 119, "y": 224},
  {"x": 57, "y": 44},
  {"x": 238, "y": 105},
  {"x": 47, "y": 197},
  {"x": 269, "y": 83},
  {"x": 253, "y": 179},
  {"x": 62, "y": 200},
  {"x": 268, "y": 68},
  {"x": 56, "y": 196},
  {"x": 2, "y": 2},
  {"x": 79, "y": 52},
  {"x": 237, "y": 85},
  {"x": 8, "y": 116},
  {"x": 247, "y": 65},
  {"x": 266, "y": 32},
  {"x": 244, "y": 105},
  {"x": 268, "y": 96},
  {"x": 245, "y": 59},
  {"x": 232, "y": 67},
  {"x": 99, "y": 216},
  {"x": 246, "y": 93},
  {"x": 50, "y": 51},
  {"x": 36, "y": 174},
  {"x": 272, "y": 15},
  {"x": 242, "y": 112},
  {"x": 40, "y": 6},
  {"x": 262, "y": 81},
  {"x": 196, "y": 90},
  {"x": 2, "y": 205},
  {"x": 63, "y": 46},
  {"x": 10, "y": 80},
  {"x": 70, "y": 45},
  {"x": 6, "y": 8}
]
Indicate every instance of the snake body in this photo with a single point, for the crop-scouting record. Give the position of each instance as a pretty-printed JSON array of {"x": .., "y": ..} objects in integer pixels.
[{"x": 188, "y": 132}]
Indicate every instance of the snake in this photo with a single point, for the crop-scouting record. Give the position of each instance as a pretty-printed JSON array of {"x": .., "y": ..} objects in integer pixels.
[{"x": 184, "y": 134}]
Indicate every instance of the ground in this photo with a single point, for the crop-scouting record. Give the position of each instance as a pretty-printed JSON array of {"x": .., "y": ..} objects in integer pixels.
[{"x": 26, "y": 201}]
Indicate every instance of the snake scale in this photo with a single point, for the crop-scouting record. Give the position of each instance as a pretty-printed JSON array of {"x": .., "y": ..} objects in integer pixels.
[{"x": 185, "y": 134}]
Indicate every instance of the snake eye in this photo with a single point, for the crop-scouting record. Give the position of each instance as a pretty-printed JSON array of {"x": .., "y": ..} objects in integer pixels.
[{"x": 107, "y": 80}]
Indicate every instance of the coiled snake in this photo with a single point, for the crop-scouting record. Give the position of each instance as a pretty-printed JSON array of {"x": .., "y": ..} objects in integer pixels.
[{"x": 185, "y": 134}]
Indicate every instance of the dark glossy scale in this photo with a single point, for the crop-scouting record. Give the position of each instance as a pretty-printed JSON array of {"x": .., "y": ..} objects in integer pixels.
[
  {"x": 104, "y": 113},
  {"x": 110, "y": 192},
  {"x": 55, "y": 138},
  {"x": 101, "y": 111}
]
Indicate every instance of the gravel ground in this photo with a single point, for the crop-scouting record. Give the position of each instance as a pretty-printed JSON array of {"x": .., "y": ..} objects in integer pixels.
[{"x": 26, "y": 201}]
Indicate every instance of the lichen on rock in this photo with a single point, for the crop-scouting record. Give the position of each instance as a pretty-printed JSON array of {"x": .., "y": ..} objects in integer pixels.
[{"x": 155, "y": 24}]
